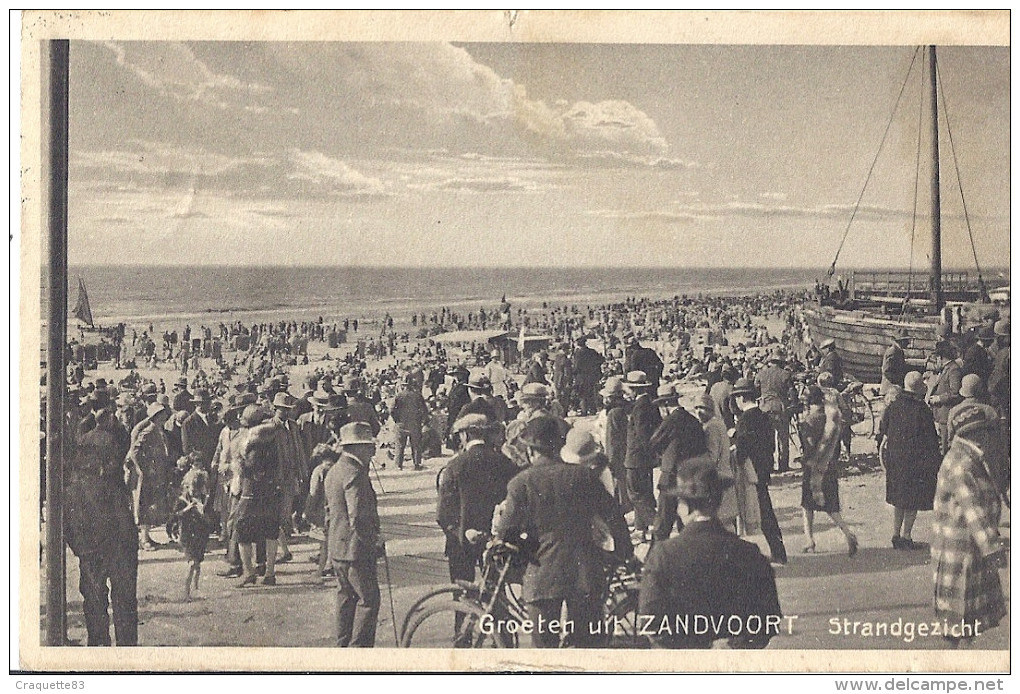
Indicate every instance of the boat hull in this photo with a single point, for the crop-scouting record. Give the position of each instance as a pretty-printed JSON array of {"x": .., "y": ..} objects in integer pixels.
[{"x": 862, "y": 338}]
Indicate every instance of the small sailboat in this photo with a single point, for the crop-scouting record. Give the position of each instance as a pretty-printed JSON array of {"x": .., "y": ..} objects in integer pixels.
[
  {"x": 865, "y": 312},
  {"x": 82, "y": 311}
]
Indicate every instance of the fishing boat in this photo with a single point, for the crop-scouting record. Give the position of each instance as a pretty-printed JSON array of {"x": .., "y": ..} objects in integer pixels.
[{"x": 864, "y": 311}]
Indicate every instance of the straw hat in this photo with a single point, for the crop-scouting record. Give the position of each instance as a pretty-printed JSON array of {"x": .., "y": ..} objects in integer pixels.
[
  {"x": 902, "y": 335},
  {"x": 532, "y": 392},
  {"x": 1002, "y": 327},
  {"x": 479, "y": 381},
  {"x": 579, "y": 447},
  {"x": 355, "y": 433},
  {"x": 470, "y": 421},
  {"x": 829, "y": 342},
  {"x": 637, "y": 379},
  {"x": 743, "y": 386},
  {"x": 284, "y": 399},
  {"x": 253, "y": 415},
  {"x": 614, "y": 386},
  {"x": 156, "y": 408},
  {"x": 666, "y": 394}
]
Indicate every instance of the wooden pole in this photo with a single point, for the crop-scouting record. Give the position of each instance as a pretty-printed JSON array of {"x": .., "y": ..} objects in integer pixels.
[
  {"x": 936, "y": 207},
  {"x": 56, "y": 164}
]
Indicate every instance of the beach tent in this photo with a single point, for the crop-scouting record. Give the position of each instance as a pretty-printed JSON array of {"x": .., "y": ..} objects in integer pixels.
[{"x": 510, "y": 346}]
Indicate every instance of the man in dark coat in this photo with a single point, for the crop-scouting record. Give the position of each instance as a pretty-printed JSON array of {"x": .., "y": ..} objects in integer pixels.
[
  {"x": 587, "y": 366},
  {"x": 707, "y": 572},
  {"x": 409, "y": 413},
  {"x": 894, "y": 362},
  {"x": 100, "y": 529},
  {"x": 470, "y": 487},
  {"x": 831, "y": 361},
  {"x": 182, "y": 399},
  {"x": 643, "y": 420},
  {"x": 775, "y": 384},
  {"x": 976, "y": 359},
  {"x": 556, "y": 504},
  {"x": 643, "y": 359},
  {"x": 458, "y": 397},
  {"x": 679, "y": 438},
  {"x": 563, "y": 377},
  {"x": 359, "y": 409},
  {"x": 754, "y": 439},
  {"x": 199, "y": 433},
  {"x": 354, "y": 541}
]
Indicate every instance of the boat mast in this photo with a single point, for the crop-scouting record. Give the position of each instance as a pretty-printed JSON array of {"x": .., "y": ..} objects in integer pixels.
[{"x": 938, "y": 300}]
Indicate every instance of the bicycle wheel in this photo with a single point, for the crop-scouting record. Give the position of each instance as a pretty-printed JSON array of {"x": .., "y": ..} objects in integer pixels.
[
  {"x": 442, "y": 593},
  {"x": 862, "y": 422},
  {"x": 622, "y": 621},
  {"x": 454, "y": 624}
]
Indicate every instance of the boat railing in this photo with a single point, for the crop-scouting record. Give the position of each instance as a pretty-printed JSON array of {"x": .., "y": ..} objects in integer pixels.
[{"x": 907, "y": 284}]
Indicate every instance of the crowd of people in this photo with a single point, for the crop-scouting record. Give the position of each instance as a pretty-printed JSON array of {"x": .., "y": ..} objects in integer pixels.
[{"x": 573, "y": 438}]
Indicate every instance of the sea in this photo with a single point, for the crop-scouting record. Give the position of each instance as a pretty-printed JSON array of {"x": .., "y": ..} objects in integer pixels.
[{"x": 173, "y": 295}]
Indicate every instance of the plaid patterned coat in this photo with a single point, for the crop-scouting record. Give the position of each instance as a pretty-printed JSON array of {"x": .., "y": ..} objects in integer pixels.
[{"x": 966, "y": 532}]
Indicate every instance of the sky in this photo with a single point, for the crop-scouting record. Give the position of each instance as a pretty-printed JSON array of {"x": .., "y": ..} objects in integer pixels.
[{"x": 524, "y": 154}]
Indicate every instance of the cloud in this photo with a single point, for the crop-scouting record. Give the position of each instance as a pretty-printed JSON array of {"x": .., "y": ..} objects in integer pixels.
[
  {"x": 753, "y": 210},
  {"x": 618, "y": 160},
  {"x": 162, "y": 159},
  {"x": 504, "y": 184},
  {"x": 459, "y": 102},
  {"x": 173, "y": 69},
  {"x": 189, "y": 214},
  {"x": 331, "y": 175}
]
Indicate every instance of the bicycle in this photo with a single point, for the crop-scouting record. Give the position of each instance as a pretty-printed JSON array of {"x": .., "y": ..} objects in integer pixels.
[
  {"x": 862, "y": 412},
  {"x": 489, "y": 612}
]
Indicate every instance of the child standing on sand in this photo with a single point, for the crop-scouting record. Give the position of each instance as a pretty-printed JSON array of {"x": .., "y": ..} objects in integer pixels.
[{"x": 195, "y": 523}]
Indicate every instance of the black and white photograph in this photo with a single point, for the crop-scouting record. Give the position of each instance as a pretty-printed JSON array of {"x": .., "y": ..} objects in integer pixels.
[{"x": 362, "y": 332}]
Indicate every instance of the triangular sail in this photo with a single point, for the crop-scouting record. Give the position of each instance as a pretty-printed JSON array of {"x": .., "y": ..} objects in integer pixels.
[{"x": 82, "y": 311}]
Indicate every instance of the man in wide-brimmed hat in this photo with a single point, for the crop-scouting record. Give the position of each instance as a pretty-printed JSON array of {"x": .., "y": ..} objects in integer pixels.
[
  {"x": 359, "y": 408},
  {"x": 894, "y": 361},
  {"x": 318, "y": 425},
  {"x": 831, "y": 361},
  {"x": 707, "y": 570},
  {"x": 470, "y": 487},
  {"x": 483, "y": 402},
  {"x": 754, "y": 440},
  {"x": 679, "y": 437},
  {"x": 556, "y": 504},
  {"x": 182, "y": 399},
  {"x": 226, "y": 462},
  {"x": 643, "y": 359},
  {"x": 101, "y": 532},
  {"x": 354, "y": 540},
  {"x": 199, "y": 432},
  {"x": 293, "y": 469},
  {"x": 776, "y": 394},
  {"x": 534, "y": 401},
  {"x": 642, "y": 421},
  {"x": 976, "y": 359},
  {"x": 587, "y": 365},
  {"x": 409, "y": 413},
  {"x": 611, "y": 429}
]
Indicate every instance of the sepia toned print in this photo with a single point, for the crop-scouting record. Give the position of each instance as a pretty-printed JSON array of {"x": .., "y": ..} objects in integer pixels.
[{"x": 498, "y": 331}]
